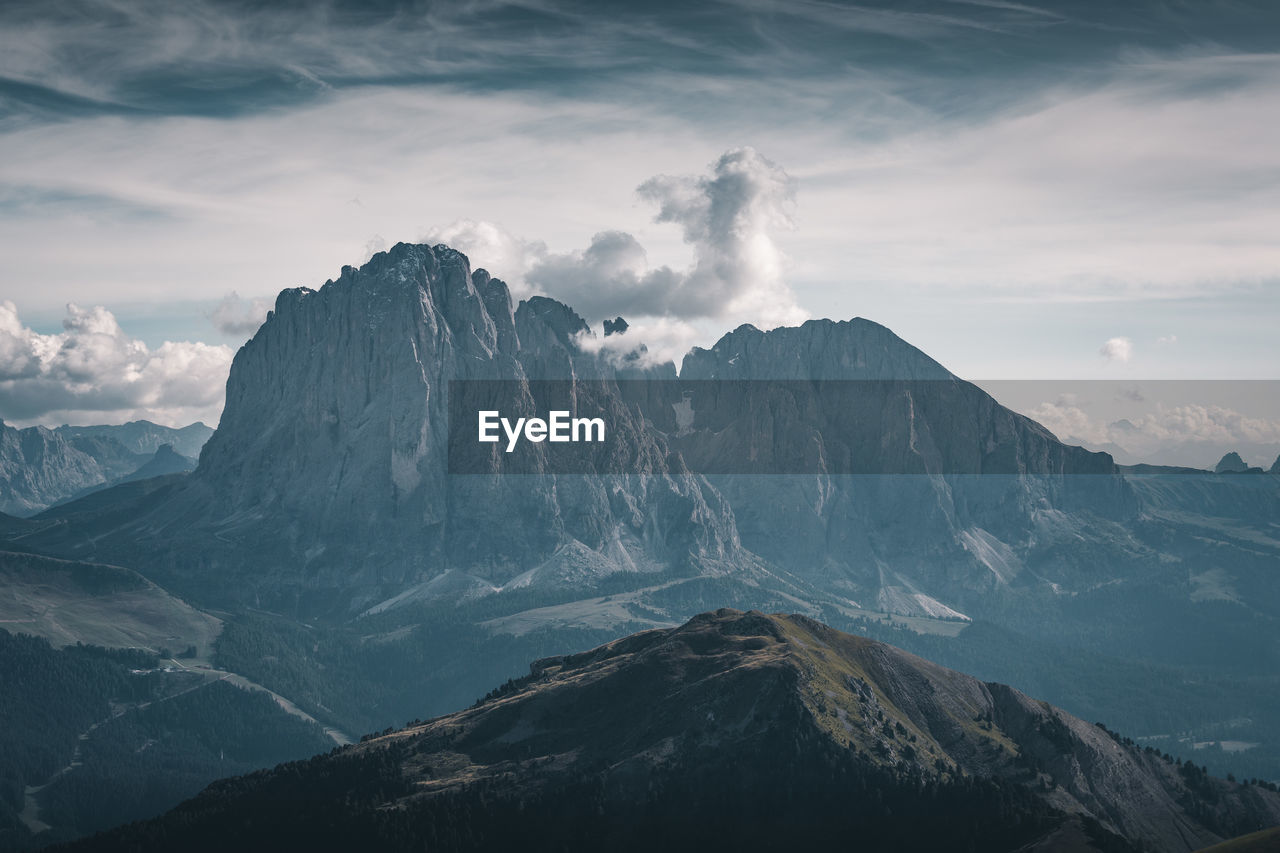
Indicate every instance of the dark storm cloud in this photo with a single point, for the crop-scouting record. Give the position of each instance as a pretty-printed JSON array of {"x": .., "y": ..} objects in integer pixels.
[{"x": 71, "y": 57}]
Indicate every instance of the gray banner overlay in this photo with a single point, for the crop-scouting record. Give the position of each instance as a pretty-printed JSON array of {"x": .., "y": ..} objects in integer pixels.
[{"x": 748, "y": 427}]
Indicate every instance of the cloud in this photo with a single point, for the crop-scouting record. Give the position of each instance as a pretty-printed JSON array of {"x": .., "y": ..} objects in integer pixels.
[
  {"x": 237, "y": 317},
  {"x": 1133, "y": 395},
  {"x": 1117, "y": 349},
  {"x": 1069, "y": 422},
  {"x": 1166, "y": 340},
  {"x": 1193, "y": 422},
  {"x": 93, "y": 371},
  {"x": 491, "y": 247},
  {"x": 728, "y": 216},
  {"x": 647, "y": 341},
  {"x": 1165, "y": 428}
]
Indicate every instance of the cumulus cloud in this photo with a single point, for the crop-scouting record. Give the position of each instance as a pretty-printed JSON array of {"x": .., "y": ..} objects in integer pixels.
[
  {"x": 92, "y": 370},
  {"x": 728, "y": 216},
  {"x": 647, "y": 341},
  {"x": 1167, "y": 339},
  {"x": 1117, "y": 349},
  {"x": 491, "y": 247},
  {"x": 1191, "y": 433},
  {"x": 1202, "y": 423},
  {"x": 238, "y": 317},
  {"x": 1069, "y": 422}
]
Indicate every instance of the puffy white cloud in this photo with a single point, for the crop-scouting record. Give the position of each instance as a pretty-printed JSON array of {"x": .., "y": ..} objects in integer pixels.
[
  {"x": 1173, "y": 424},
  {"x": 238, "y": 317},
  {"x": 1209, "y": 430},
  {"x": 647, "y": 341},
  {"x": 1117, "y": 349},
  {"x": 93, "y": 372},
  {"x": 1069, "y": 422},
  {"x": 728, "y": 216}
]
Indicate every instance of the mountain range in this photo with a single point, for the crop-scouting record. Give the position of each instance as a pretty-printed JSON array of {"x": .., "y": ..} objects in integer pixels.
[
  {"x": 40, "y": 467},
  {"x": 325, "y": 490},
  {"x": 855, "y": 481}
]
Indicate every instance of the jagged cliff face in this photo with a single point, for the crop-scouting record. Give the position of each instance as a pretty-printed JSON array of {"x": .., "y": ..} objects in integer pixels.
[
  {"x": 39, "y": 466},
  {"x": 731, "y": 716},
  {"x": 331, "y": 452}
]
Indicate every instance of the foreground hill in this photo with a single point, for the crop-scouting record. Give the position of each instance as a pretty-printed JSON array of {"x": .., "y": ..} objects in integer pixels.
[{"x": 734, "y": 731}]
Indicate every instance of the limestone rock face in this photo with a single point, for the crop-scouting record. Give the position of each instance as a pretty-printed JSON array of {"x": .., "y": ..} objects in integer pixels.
[{"x": 332, "y": 450}]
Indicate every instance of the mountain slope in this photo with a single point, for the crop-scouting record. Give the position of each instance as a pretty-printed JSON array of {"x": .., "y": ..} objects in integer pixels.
[
  {"x": 67, "y": 603},
  {"x": 735, "y": 728}
]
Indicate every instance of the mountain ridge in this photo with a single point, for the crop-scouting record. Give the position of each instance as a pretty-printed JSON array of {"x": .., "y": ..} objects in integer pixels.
[{"x": 728, "y": 689}]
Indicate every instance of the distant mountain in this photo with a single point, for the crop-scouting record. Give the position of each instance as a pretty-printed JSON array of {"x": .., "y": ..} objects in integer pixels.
[
  {"x": 735, "y": 731},
  {"x": 146, "y": 437},
  {"x": 1230, "y": 464},
  {"x": 165, "y": 461},
  {"x": 40, "y": 467}
]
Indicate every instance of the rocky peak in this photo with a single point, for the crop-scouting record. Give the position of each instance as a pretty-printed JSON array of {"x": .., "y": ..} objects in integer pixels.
[
  {"x": 817, "y": 349},
  {"x": 1231, "y": 463}
]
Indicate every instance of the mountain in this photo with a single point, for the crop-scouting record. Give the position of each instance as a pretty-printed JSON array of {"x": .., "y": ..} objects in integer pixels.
[
  {"x": 146, "y": 437},
  {"x": 1275, "y": 467},
  {"x": 326, "y": 485},
  {"x": 166, "y": 460},
  {"x": 326, "y": 482},
  {"x": 40, "y": 467},
  {"x": 942, "y": 499},
  {"x": 831, "y": 469},
  {"x": 734, "y": 731},
  {"x": 1230, "y": 464}
]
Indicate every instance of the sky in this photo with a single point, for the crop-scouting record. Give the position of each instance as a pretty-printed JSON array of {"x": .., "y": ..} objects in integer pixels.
[{"x": 1060, "y": 190}]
